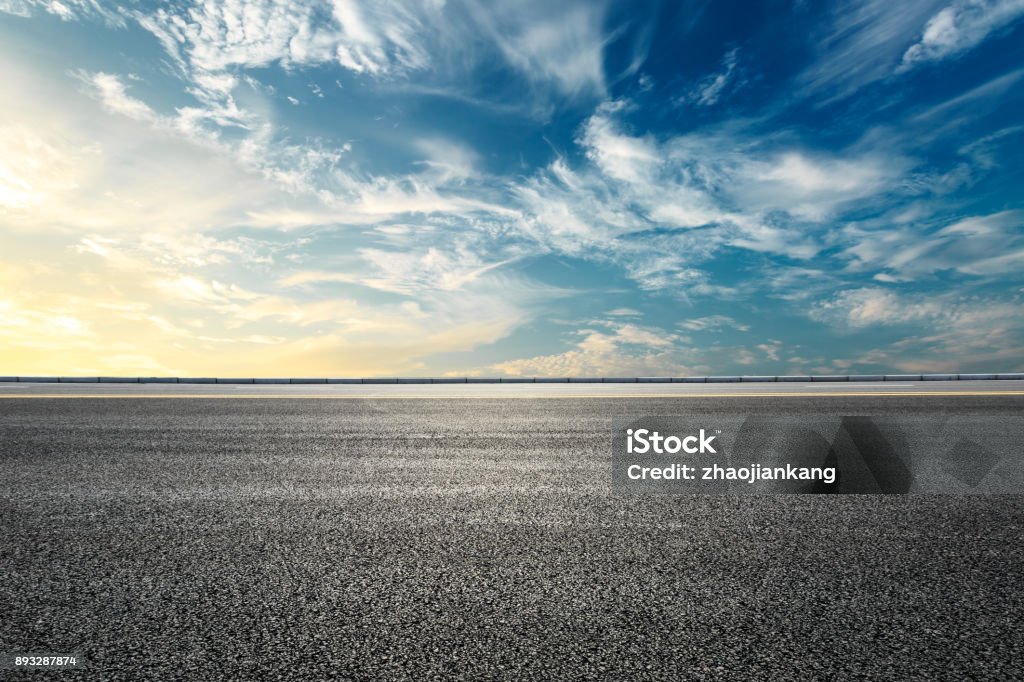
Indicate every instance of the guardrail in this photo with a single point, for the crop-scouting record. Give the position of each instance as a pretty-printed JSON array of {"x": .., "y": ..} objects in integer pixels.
[{"x": 517, "y": 380}]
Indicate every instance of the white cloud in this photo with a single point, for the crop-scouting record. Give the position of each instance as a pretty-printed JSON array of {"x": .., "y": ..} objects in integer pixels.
[
  {"x": 562, "y": 42},
  {"x": 870, "y": 41},
  {"x": 960, "y": 27},
  {"x": 710, "y": 89},
  {"x": 712, "y": 323},
  {"x": 771, "y": 349},
  {"x": 863, "y": 44},
  {"x": 813, "y": 188},
  {"x": 80, "y": 168},
  {"x": 293, "y": 185},
  {"x": 448, "y": 160},
  {"x": 33, "y": 169},
  {"x": 661, "y": 208},
  {"x": 984, "y": 246},
  {"x": 111, "y": 305},
  {"x": 619, "y": 156},
  {"x": 217, "y": 34},
  {"x": 869, "y": 306},
  {"x": 951, "y": 332},
  {"x": 558, "y": 44},
  {"x": 974, "y": 100},
  {"x": 405, "y": 272},
  {"x": 666, "y": 264},
  {"x": 67, "y": 10},
  {"x": 115, "y": 98},
  {"x": 336, "y": 339},
  {"x": 622, "y": 349}
]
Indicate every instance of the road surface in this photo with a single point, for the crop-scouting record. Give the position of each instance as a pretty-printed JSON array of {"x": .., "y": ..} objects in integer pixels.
[{"x": 471, "y": 531}]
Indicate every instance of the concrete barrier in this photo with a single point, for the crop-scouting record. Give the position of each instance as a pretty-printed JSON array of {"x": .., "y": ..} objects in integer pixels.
[
  {"x": 380, "y": 380},
  {"x": 867, "y": 377},
  {"x": 197, "y": 380},
  {"x": 724, "y": 380},
  {"x": 938, "y": 377},
  {"x": 271, "y": 381},
  {"x": 585, "y": 380},
  {"x": 689, "y": 380},
  {"x": 551, "y": 380},
  {"x": 619, "y": 380},
  {"x": 517, "y": 380},
  {"x": 902, "y": 377},
  {"x": 448, "y": 380},
  {"x": 830, "y": 377},
  {"x": 158, "y": 380},
  {"x": 8, "y": 380},
  {"x": 414, "y": 380},
  {"x": 757, "y": 379},
  {"x": 235, "y": 381},
  {"x": 1014, "y": 375},
  {"x": 119, "y": 380},
  {"x": 976, "y": 377},
  {"x": 483, "y": 380},
  {"x": 308, "y": 381},
  {"x": 654, "y": 380},
  {"x": 79, "y": 380},
  {"x": 803, "y": 378},
  {"x": 341, "y": 380}
]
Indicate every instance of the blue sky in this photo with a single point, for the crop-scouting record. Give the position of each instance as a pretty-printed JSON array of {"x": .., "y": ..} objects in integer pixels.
[{"x": 511, "y": 188}]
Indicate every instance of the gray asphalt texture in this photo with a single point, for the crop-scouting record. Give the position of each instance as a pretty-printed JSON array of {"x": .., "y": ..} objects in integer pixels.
[{"x": 445, "y": 538}]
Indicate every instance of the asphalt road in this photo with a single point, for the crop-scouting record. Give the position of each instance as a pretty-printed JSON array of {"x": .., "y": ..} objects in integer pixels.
[{"x": 422, "y": 532}]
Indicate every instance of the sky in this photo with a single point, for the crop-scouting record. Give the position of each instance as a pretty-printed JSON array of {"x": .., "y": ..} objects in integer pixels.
[{"x": 528, "y": 188}]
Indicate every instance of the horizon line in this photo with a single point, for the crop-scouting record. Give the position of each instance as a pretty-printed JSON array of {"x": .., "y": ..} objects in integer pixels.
[{"x": 730, "y": 378}]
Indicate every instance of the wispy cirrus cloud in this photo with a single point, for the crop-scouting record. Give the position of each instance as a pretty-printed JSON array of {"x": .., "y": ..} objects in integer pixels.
[
  {"x": 872, "y": 41},
  {"x": 712, "y": 323},
  {"x": 667, "y": 205},
  {"x": 713, "y": 87},
  {"x": 404, "y": 272},
  {"x": 561, "y": 42},
  {"x": 862, "y": 43},
  {"x": 983, "y": 246}
]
